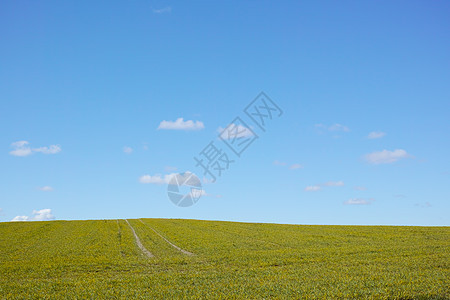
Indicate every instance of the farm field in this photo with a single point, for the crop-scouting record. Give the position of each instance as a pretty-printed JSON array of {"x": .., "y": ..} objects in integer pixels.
[{"x": 212, "y": 259}]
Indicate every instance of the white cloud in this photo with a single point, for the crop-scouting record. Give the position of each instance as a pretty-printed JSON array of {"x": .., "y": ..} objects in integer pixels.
[
  {"x": 20, "y": 218},
  {"x": 296, "y": 166},
  {"x": 386, "y": 156},
  {"x": 46, "y": 188},
  {"x": 19, "y": 144},
  {"x": 312, "y": 188},
  {"x": 318, "y": 187},
  {"x": 234, "y": 131},
  {"x": 180, "y": 124},
  {"x": 37, "y": 215},
  {"x": 165, "y": 179},
  {"x": 155, "y": 179},
  {"x": 376, "y": 135},
  {"x": 333, "y": 183},
  {"x": 52, "y": 149},
  {"x": 127, "y": 150},
  {"x": 335, "y": 127},
  {"x": 292, "y": 167},
  {"x": 166, "y": 9},
  {"x": 279, "y": 163},
  {"x": 206, "y": 180},
  {"x": 358, "y": 201},
  {"x": 22, "y": 148}
]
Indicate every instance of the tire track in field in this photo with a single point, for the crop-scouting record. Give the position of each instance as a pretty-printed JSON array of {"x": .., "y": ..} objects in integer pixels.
[
  {"x": 138, "y": 242},
  {"x": 171, "y": 244}
]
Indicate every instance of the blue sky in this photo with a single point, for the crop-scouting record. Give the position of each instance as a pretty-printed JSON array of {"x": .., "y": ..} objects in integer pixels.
[{"x": 364, "y": 88}]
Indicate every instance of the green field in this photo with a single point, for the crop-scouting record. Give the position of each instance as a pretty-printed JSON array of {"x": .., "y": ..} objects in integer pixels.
[{"x": 101, "y": 259}]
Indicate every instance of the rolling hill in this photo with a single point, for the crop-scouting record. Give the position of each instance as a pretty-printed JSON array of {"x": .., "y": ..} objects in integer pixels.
[{"x": 172, "y": 258}]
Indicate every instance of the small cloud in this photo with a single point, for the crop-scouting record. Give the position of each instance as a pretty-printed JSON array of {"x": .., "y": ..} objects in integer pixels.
[
  {"x": 22, "y": 148},
  {"x": 52, "y": 149},
  {"x": 376, "y": 135},
  {"x": 312, "y": 188},
  {"x": 207, "y": 180},
  {"x": 279, "y": 163},
  {"x": 46, "y": 188},
  {"x": 235, "y": 131},
  {"x": 37, "y": 215},
  {"x": 358, "y": 201},
  {"x": 165, "y": 179},
  {"x": 180, "y": 124},
  {"x": 333, "y": 183},
  {"x": 283, "y": 164},
  {"x": 333, "y": 128},
  {"x": 318, "y": 187},
  {"x": 127, "y": 150},
  {"x": 296, "y": 166},
  {"x": 166, "y": 9},
  {"x": 155, "y": 179},
  {"x": 386, "y": 156},
  {"x": 360, "y": 188}
]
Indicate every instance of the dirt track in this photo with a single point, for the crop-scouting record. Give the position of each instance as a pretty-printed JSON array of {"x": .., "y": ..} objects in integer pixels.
[
  {"x": 138, "y": 242},
  {"x": 173, "y": 245}
]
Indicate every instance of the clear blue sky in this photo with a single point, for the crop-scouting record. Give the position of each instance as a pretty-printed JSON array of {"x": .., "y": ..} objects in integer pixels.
[{"x": 364, "y": 86}]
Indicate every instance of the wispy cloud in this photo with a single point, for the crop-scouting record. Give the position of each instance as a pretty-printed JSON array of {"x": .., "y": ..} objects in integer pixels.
[
  {"x": 333, "y": 183},
  {"x": 166, "y": 9},
  {"x": 234, "y": 131},
  {"x": 386, "y": 156},
  {"x": 155, "y": 179},
  {"x": 165, "y": 179},
  {"x": 52, "y": 149},
  {"x": 37, "y": 215},
  {"x": 46, "y": 188},
  {"x": 333, "y": 128},
  {"x": 313, "y": 188},
  {"x": 359, "y": 201},
  {"x": 279, "y": 163},
  {"x": 292, "y": 166},
  {"x": 127, "y": 150},
  {"x": 296, "y": 166},
  {"x": 318, "y": 187},
  {"x": 180, "y": 124},
  {"x": 22, "y": 148},
  {"x": 376, "y": 135}
]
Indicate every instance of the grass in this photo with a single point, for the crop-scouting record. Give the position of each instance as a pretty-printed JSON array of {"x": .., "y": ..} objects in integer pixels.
[{"x": 100, "y": 259}]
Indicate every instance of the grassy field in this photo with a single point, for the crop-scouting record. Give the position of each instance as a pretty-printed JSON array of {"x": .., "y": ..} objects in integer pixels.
[{"x": 101, "y": 259}]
